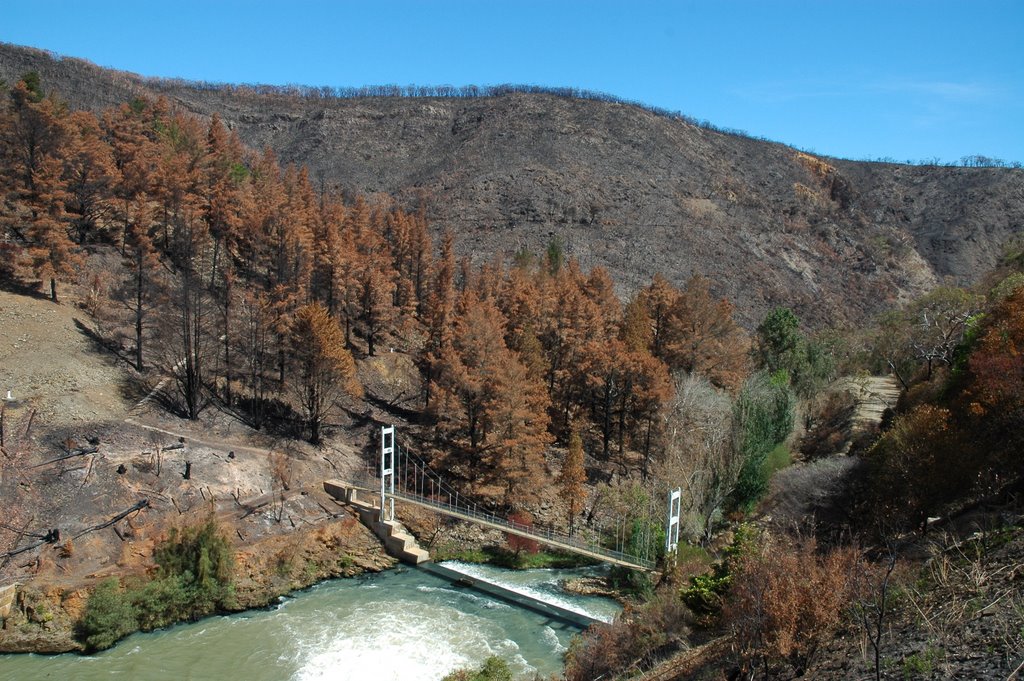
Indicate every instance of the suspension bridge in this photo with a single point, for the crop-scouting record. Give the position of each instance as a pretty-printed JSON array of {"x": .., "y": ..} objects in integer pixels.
[{"x": 405, "y": 477}]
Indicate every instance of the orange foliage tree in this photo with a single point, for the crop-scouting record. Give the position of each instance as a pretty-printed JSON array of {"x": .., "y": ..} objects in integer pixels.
[
  {"x": 571, "y": 480},
  {"x": 324, "y": 368},
  {"x": 994, "y": 394},
  {"x": 702, "y": 337}
]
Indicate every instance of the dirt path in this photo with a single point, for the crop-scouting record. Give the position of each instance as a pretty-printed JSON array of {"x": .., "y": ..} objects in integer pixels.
[
  {"x": 813, "y": 488},
  {"x": 210, "y": 443},
  {"x": 874, "y": 394}
]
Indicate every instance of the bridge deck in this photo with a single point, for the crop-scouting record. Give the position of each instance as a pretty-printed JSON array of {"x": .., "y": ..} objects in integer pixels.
[{"x": 561, "y": 542}]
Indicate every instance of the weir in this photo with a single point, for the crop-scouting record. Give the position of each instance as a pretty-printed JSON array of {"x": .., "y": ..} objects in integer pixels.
[
  {"x": 550, "y": 610},
  {"x": 399, "y": 544},
  {"x": 8, "y": 596}
]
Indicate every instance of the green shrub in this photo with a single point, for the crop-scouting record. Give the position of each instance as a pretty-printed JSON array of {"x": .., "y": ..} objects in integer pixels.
[
  {"x": 493, "y": 669},
  {"x": 777, "y": 459},
  {"x": 763, "y": 418},
  {"x": 193, "y": 580},
  {"x": 162, "y": 602},
  {"x": 705, "y": 593},
  {"x": 636, "y": 583},
  {"x": 921, "y": 665},
  {"x": 781, "y": 349},
  {"x": 200, "y": 560},
  {"x": 109, "y": 617}
]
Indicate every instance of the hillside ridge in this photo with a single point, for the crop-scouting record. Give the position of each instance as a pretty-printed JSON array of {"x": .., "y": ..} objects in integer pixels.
[{"x": 620, "y": 186}]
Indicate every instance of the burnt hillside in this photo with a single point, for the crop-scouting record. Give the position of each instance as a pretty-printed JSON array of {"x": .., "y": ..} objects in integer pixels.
[{"x": 621, "y": 187}]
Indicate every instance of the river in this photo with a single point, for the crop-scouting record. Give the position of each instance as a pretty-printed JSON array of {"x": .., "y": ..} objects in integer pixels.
[{"x": 402, "y": 624}]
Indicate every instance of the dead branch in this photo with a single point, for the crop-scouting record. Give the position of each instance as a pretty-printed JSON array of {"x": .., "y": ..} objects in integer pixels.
[
  {"x": 11, "y": 554},
  {"x": 249, "y": 510},
  {"x": 31, "y": 418},
  {"x": 82, "y": 451},
  {"x": 123, "y": 514},
  {"x": 21, "y": 533},
  {"x": 85, "y": 480}
]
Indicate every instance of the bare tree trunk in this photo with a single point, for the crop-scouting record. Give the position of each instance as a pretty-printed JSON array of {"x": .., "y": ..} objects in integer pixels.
[{"x": 138, "y": 317}]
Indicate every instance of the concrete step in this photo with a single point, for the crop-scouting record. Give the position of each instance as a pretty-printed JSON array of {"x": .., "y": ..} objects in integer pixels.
[
  {"x": 396, "y": 539},
  {"x": 416, "y": 556}
]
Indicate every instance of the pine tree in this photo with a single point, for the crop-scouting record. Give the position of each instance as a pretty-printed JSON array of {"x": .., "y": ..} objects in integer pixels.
[
  {"x": 139, "y": 292},
  {"x": 325, "y": 283},
  {"x": 467, "y": 366},
  {"x": 324, "y": 369},
  {"x": 516, "y": 415},
  {"x": 377, "y": 309},
  {"x": 222, "y": 197},
  {"x": 52, "y": 251},
  {"x": 257, "y": 332},
  {"x": 572, "y": 479},
  {"x": 438, "y": 318},
  {"x": 659, "y": 298},
  {"x": 134, "y": 153},
  {"x": 90, "y": 175},
  {"x": 34, "y": 133},
  {"x": 702, "y": 337}
]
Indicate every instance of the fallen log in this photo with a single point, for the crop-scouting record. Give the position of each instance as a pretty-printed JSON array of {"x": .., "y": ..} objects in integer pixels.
[
  {"x": 123, "y": 514},
  {"x": 249, "y": 510},
  {"x": 82, "y": 451}
]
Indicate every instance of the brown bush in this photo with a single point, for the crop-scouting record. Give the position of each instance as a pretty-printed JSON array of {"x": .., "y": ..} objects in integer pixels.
[
  {"x": 637, "y": 639},
  {"x": 787, "y": 598},
  {"x": 516, "y": 543},
  {"x": 919, "y": 465}
]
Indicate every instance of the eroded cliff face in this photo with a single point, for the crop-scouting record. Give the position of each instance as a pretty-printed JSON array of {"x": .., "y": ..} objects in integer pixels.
[{"x": 621, "y": 187}]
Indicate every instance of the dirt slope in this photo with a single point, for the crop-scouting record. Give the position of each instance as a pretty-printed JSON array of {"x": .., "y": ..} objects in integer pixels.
[
  {"x": 48, "y": 359},
  {"x": 70, "y": 396}
]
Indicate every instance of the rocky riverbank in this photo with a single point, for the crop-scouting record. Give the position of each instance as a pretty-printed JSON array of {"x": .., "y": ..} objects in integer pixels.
[{"x": 44, "y": 611}]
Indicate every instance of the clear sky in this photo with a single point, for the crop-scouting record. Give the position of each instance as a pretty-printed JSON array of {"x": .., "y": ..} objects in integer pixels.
[{"x": 906, "y": 79}]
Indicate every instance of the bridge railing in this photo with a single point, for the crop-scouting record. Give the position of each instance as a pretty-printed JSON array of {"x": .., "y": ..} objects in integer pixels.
[{"x": 542, "y": 533}]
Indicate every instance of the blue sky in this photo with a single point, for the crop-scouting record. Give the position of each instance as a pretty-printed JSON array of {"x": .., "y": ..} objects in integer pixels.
[{"x": 906, "y": 79}]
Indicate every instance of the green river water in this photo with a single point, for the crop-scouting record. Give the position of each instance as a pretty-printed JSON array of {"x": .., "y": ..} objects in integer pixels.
[{"x": 402, "y": 624}]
